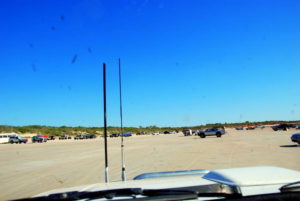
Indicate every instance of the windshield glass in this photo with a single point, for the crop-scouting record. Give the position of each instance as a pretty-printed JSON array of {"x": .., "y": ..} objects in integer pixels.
[{"x": 185, "y": 66}]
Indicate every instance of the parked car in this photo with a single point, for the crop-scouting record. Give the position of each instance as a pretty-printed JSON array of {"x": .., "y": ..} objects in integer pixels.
[
  {"x": 239, "y": 128},
  {"x": 211, "y": 132},
  {"x": 155, "y": 133},
  {"x": 296, "y": 138},
  {"x": 17, "y": 140},
  {"x": 89, "y": 136},
  {"x": 51, "y": 137},
  {"x": 250, "y": 128},
  {"x": 127, "y": 134},
  {"x": 78, "y": 137},
  {"x": 283, "y": 127},
  {"x": 114, "y": 135},
  {"x": 4, "y": 138},
  {"x": 141, "y": 133},
  {"x": 39, "y": 139},
  {"x": 187, "y": 132},
  {"x": 260, "y": 126},
  {"x": 65, "y": 137}
]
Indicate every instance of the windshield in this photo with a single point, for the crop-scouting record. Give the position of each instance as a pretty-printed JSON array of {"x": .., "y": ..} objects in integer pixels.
[{"x": 186, "y": 67}]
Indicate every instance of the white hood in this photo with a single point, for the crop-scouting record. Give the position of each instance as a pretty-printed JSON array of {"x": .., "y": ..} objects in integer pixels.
[{"x": 251, "y": 181}]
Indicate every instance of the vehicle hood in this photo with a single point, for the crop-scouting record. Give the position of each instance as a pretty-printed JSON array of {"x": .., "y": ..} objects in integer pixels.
[{"x": 250, "y": 180}]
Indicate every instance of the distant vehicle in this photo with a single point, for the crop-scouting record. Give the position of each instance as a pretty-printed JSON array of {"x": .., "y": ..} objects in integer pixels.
[
  {"x": 65, "y": 137},
  {"x": 170, "y": 132},
  {"x": 296, "y": 138},
  {"x": 142, "y": 133},
  {"x": 260, "y": 126},
  {"x": 17, "y": 140},
  {"x": 78, "y": 137},
  {"x": 211, "y": 132},
  {"x": 4, "y": 138},
  {"x": 155, "y": 133},
  {"x": 127, "y": 134},
  {"x": 51, "y": 137},
  {"x": 114, "y": 135},
  {"x": 187, "y": 132},
  {"x": 39, "y": 139},
  {"x": 89, "y": 136},
  {"x": 283, "y": 127},
  {"x": 239, "y": 128},
  {"x": 250, "y": 128}
]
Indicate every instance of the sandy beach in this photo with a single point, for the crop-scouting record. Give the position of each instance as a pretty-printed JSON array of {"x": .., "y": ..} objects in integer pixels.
[{"x": 29, "y": 169}]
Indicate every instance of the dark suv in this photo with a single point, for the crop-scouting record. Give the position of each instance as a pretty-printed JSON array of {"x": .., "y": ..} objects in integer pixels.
[{"x": 283, "y": 127}]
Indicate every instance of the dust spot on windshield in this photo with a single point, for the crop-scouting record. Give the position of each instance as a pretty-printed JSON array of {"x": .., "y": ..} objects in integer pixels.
[
  {"x": 33, "y": 67},
  {"x": 74, "y": 59},
  {"x": 31, "y": 45}
]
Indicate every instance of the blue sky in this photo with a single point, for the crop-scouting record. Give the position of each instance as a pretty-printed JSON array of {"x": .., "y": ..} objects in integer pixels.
[{"x": 184, "y": 62}]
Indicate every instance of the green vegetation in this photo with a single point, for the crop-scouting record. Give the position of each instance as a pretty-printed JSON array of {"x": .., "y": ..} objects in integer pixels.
[{"x": 65, "y": 130}]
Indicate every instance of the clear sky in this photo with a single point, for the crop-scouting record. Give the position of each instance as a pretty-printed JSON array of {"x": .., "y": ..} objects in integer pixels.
[{"x": 184, "y": 62}]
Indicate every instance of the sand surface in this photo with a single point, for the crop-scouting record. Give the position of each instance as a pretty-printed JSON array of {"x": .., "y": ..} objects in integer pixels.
[{"x": 29, "y": 169}]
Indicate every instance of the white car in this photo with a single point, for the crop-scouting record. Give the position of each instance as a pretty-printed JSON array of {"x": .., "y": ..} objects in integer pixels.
[
  {"x": 211, "y": 132},
  {"x": 155, "y": 133},
  {"x": 4, "y": 137}
]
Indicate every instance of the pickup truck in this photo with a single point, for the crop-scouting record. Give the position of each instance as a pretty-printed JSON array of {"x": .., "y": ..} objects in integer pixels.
[
  {"x": 211, "y": 132},
  {"x": 17, "y": 140}
]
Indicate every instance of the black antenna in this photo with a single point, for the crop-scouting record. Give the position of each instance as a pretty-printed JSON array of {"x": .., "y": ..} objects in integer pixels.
[
  {"x": 105, "y": 126},
  {"x": 121, "y": 117}
]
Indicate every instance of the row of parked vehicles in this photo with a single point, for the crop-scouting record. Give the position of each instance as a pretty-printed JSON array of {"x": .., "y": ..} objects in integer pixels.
[
  {"x": 119, "y": 134},
  {"x": 63, "y": 137},
  {"x": 141, "y": 133},
  {"x": 85, "y": 136},
  {"x": 283, "y": 127},
  {"x": 250, "y": 127}
]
